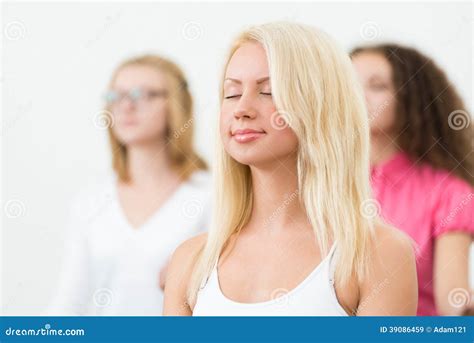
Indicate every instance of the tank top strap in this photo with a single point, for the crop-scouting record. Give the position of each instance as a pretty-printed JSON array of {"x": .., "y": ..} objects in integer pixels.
[
  {"x": 332, "y": 257},
  {"x": 212, "y": 274}
]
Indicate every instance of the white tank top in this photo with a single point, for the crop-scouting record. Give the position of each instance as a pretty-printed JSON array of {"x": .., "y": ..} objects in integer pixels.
[{"x": 314, "y": 296}]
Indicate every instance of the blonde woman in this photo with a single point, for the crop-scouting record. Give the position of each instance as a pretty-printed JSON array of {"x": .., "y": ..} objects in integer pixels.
[
  {"x": 124, "y": 231},
  {"x": 293, "y": 232}
]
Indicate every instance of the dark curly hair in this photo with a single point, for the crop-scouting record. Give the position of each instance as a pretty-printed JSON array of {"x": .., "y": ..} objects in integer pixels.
[{"x": 434, "y": 125}]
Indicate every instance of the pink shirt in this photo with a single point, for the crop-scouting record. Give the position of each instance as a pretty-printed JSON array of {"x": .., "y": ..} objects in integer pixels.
[{"x": 425, "y": 203}]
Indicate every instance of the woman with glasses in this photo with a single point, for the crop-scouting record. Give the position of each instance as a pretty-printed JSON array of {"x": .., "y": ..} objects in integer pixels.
[{"x": 123, "y": 231}]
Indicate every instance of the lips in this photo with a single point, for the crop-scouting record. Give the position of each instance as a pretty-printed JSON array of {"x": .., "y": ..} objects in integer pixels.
[{"x": 247, "y": 135}]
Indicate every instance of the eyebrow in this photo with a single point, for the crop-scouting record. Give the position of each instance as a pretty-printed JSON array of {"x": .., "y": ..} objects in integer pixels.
[{"x": 261, "y": 80}]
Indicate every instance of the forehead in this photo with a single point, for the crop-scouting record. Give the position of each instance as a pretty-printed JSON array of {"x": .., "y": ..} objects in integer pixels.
[
  {"x": 372, "y": 64},
  {"x": 248, "y": 63},
  {"x": 139, "y": 76}
]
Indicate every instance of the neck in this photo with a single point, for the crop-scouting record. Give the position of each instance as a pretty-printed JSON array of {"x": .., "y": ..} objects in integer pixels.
[
  {"x": 276, "y": 204},
  {"x": 382, "y": 148},
  {"x": 148, "y": 163}
]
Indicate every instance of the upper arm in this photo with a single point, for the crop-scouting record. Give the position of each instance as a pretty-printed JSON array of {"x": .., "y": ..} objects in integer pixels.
[
  {"x": 450, "y": 271},
  {"x": 178, "y": 276},
  {"x": 391, "y": 288},
  {"x": 452, "y": 234}
]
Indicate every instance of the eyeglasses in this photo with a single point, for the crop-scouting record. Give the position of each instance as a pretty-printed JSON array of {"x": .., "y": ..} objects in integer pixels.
[{"x": 137, "y": 96}]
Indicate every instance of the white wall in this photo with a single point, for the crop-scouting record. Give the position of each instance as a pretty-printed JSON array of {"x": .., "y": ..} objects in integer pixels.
[{"x": 57, "y": 59}]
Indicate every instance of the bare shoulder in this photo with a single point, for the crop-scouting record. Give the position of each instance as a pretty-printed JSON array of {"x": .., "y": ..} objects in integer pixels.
[
  {"x": 392, "y": 243},
  {"x": 190, "y": 247},
  {"x": 182, "y": 261},
  {"x": 391, "y": 287},
  {"x": 392, "y": 251},
  {"x": 179, "y": 273}
]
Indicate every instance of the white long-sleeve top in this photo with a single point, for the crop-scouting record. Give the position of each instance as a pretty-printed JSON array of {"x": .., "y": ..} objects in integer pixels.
[{"x": 111, "y": 268}]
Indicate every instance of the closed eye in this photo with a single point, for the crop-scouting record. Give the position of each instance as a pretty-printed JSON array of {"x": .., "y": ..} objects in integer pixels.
[
  {"x": 266, "y": 93},
  {"x": 232, "y": 96}
]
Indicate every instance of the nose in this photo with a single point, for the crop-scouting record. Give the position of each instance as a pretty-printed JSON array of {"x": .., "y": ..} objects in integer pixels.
[
  {"x": 245, "y": 109},
  {"x": 126, "y": 105}
]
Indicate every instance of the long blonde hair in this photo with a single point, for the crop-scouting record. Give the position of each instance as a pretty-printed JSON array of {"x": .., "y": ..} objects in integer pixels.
[
  {"x": 314, "y": 85},
  {"x": 179, "y": 133}
]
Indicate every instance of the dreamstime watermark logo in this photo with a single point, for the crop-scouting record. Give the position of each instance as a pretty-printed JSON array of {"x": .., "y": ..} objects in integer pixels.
[
  {"x": 103, "y": 120},
  {"x": 370, "y": 208},
  {"x": 455, "y": 211},
  {"x": 177, "y": 133},
  {"x": 280, "y": 120},
  {"x": 10, "y": 121},
  {"x": 12, "y": 300},
  {"x": 110, "y": 20},
  {"x": 192, "y": 30},
  {"x": 88, "y": 209},
  {"x": 185, "y": 307},
  {"x": 373, "y": 293},
  {"x": 103, "y": 297},
  {"x": 14, "y": 208},
  {"x": 458, "y": 120},
  {"x": 288, "y": 200},
  {"x": 47, "y": 330},
  {"x": 281, "y": 297},
  {"x": 380, "y": 109},
  {"x": 370, "y": 31},
  {"x": 192, "y": 208},
  {"x": 14, "y": 30},
  {"x": 459, "y": 297}
]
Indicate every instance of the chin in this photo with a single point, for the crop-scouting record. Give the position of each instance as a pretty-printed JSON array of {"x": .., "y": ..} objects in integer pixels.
[
  {"x": 130, "y": 139},
  {"x": 251, "y": 159},
  {"x": 135, "y": 135}
]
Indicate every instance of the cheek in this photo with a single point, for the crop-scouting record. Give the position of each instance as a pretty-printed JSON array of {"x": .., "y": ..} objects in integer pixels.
[
  {"x": 150, "y": 125},
  {"x": 382, "y": 116},
  {"x": 377, "y": 101},
  {"x": 154, "y": 121},
  {"x": 282, "y": 142},
  {"x": 225, "y": 121}
]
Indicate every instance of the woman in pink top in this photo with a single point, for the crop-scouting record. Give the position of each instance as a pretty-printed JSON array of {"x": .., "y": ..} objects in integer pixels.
[{"x": 422, "y": 167}]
